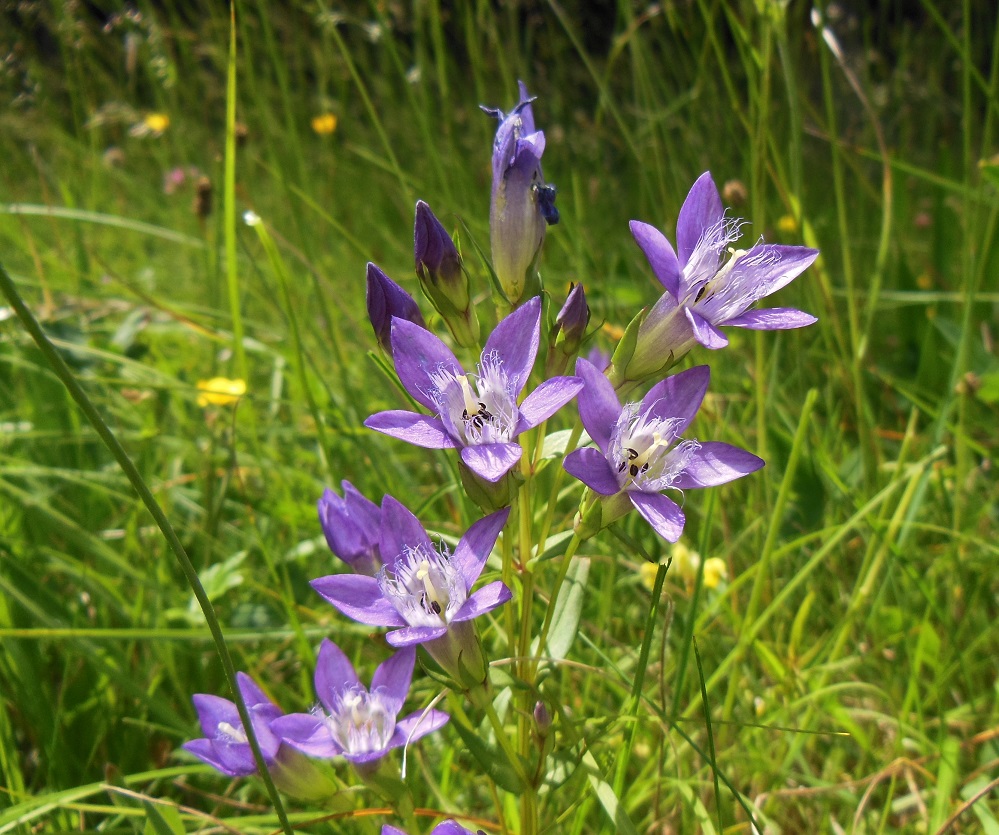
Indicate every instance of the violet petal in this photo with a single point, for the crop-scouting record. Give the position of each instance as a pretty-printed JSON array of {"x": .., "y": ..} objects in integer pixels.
[
  {"x": 421, "y": 430},
  {"x": 400, "y": 531},
  {"x": 491, "y": 461},
  {"x": 661, "y": 512},
  {"x": 474, "y": 547},
  {"x": 418, "y": 354},
  {"x": 359, "y": 598},
  {"x": 704, "y": 332},
  {"x": 411, "y": 635},
  {"x": 307, "y": 733},
  {"x": 599, "y": 407},
  {"x": 701, "y": 210},
  {"x": 773, "y": 319},
  {"x": 334, "y": 674},
  {"x": 395, "y": 674},
  {"x": 660, "y": 254},
  {"x": 515, "y": 340},
  {"x": 678, "y": 396},
  {"x": 717, "y": 463},
  {"x": 590, "y": 466},
  {"x": 547, "y": 399},
  {"x": 484, "y": 600},
  {"x": 416, "y": 726}
]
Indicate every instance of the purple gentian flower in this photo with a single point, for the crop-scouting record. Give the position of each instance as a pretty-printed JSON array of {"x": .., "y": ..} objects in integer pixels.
[
  {"x": 448, "y": 827},
  {"x": 226, "y": 748},
  {"x": 479, "y": 418},
  {"x": 703, "y": 290},
  {"x": 425, "y": 591},
  {"x": 522, "y": 204},
  {"x": 351, "y": 528},
  {"x": 355, "y": 722},
  {"x": 640, "y": 452},
  {"x": 386, "y": 299}
]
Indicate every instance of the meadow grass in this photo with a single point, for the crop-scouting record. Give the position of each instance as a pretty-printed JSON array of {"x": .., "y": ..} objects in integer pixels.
[{"x": 842, "y": 678}]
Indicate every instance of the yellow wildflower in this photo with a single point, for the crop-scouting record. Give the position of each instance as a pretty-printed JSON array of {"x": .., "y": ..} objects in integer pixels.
[
  {"x": 220, "y": 391},
  {"x": 647, "y": 574},
  {"x": 156, "y": 123},
  {"x": 715, "y": 570},
  {"x": 324, "y": 124},
  {"x": 787, "y": 225},
  {"x": 685, "y": 562}
]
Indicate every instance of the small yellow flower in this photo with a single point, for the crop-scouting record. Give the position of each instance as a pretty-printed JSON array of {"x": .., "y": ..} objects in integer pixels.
[
  {"x": 220, "y": 391},
  {"x": 647, "y": 574},
  {"x": 156, "y": 123},
  {"x": 324, "y": 124},
  {"x": 715, "y": 571},
  {"x": 685, "y": 562},
  {"x": 787, "y": 225}
]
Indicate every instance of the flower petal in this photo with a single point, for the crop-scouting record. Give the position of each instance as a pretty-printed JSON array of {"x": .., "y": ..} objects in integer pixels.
[
  {"x": 546, "y": 400},
  {"x": 475, "y": 546},
  {"x": 717, "y": 463},
  {"x": 590, "y": 466},
  {"x": 704, "y": 332},
  {"x": 679, "y": 396},
  {"x": 599, "y": 407},
  {"x": 773, "y": 319},
  {"x": 418, "y": 354},
  {"x": 417, "y": 725},
  {"x": 421, "y": 430},
  {"x": 308, "y": 733},
  {"x": 661, "y": 512},
  {"x": 395, "y": 675},
  {"x": 252, "y": 694},
  {"x": 334, "y": 674},
  {"x": 491, "y": 461},
  {"x": 770, "y": 267},
  {"x": 213, "y": 711},
  {"x": 411, "y": 635},
  {"x": 359, "y": 598},
  {"x": 400, "y": 531},
  {"x": 484, "y": 600},
  {"x": 204, "y": 750},
  {"x": 659, "y": 251},
  {"x": 515, "y": 340},
  {"x": 701, "y": 210}
]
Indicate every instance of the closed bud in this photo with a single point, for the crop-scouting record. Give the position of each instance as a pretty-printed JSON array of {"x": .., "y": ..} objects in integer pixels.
[
  {"x": 442, "y": 277},
  {"x": 386, "y": 300},
  {"x": 568, "y": 331}
]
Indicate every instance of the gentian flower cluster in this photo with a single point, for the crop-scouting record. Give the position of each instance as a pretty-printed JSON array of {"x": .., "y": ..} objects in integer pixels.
[{"x": 490, "y": 410}]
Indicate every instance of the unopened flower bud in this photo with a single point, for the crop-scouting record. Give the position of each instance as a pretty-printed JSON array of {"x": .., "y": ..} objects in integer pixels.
[
  {"x": 568, "y": 332},
  {"x": 444, "y": 282},
  {"x": 386, "y": 299}
]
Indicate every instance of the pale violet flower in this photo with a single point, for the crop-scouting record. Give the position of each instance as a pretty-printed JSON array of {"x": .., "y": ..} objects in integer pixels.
[
  {"x": 478, "y": 416},
  {"x": 709, "y": 283},
  {"x": 641, "y": 452},
  {"x": 425, "y": 591},
  {"x": 358, "y": 723}
]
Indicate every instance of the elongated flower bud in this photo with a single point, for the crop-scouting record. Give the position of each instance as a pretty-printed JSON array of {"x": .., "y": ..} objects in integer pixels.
[
  {"x": 386, "y": 299},
  {"x": 444, "y": 282}
]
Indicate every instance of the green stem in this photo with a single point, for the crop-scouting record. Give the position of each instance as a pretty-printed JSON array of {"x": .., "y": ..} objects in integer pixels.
[
  {"x": 563, "y": 569},
  {"x": 636, "y": 690},
  {"x": 145, "y": 494}
]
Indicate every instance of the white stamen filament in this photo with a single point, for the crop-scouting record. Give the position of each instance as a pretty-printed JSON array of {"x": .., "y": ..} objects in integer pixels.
[{"x": 232, "y": 733}]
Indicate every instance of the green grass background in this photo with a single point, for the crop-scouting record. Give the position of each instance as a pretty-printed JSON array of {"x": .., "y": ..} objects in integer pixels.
[{"x": 848, "y": 667}]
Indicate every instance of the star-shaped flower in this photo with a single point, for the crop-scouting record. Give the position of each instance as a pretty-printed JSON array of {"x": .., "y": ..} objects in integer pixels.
[
  {"x": 480, "y": 417},
  {"x": 425, "y": 591},
  {"x": 704, "y": 290},
  {"x": 355, "y": 722},
  {"x": 640, "y": 450}
]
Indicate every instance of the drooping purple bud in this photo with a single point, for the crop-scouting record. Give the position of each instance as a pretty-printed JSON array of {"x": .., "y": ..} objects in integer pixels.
[
  {"x": 351, "y": 526},
  {"x": 442, "y": 277},
  {"x": 568, "y": 331},
  {"x": 386, "y": 299}
]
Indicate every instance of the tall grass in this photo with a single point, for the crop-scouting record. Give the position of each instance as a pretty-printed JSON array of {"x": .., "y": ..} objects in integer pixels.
[{"x": 843, "y": 679}]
